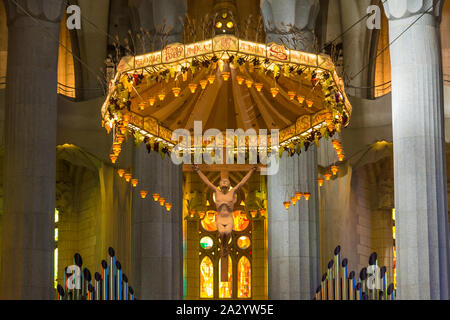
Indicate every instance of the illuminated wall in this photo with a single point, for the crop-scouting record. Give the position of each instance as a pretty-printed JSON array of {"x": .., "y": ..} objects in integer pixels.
[
  {"x": 383, "y": 62},
  {"x": 66, "y": 68}
]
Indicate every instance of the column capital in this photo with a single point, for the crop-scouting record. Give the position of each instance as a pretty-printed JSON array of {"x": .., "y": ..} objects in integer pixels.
[
  {"x": 280, "y": 15},
  {"x": 400, "y": 9},
  {"x": 46, "y": 10}
]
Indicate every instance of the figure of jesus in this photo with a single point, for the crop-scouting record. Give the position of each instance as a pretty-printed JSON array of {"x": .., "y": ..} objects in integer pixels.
[{"x": 225, "y": 200}]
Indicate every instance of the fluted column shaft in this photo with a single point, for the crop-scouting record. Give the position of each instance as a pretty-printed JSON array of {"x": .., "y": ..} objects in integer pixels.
[
  {"x": 422, "y": 234},
  {"x": 157, "y": 256},
  {"x": 294, "y": 261},
  {"x": 294, "y": 254},
  {"x": 291, "y": 22},
  {"x": 157, "y": 239},
  {"x": 30, "y": 151}
]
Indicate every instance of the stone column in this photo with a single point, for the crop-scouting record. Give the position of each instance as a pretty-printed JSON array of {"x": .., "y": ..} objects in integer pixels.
[
  {"x": 419, "y": 151},
  {"x": 157, "y": 239},
  {"x": 280, "y": 15},
  {"x": 93, "y": 12},
  {"x": 294, "y": 260},
  {"x": 157, "y": 257},
  {"x": 30, "y": 150}
]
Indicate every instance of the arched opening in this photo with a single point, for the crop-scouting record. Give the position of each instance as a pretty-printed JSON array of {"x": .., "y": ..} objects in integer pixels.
[{"x": 66, "y": 66}]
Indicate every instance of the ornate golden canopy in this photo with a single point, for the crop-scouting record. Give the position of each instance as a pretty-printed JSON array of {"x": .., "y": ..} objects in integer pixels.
[{"x": 226, "y": 83}]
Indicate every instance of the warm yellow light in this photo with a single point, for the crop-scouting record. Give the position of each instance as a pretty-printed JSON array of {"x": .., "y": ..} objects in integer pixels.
[
  {"x": 294, "y": 200},
  {"x": 134, "y": 182},
  {"x": 117, "y": 148},
  {"x": 327, "y": 176},
  {"x": 113, "y": 158},
  {"x": 143, "y": 194},
  {"x": 249, "y": 83},
  {"x": 211, "y": 79},
  {"x": 242, "y": 203},
  {"x": 336, "y": 144},
  {"x": 307, "y": 195},
  {"x": 299, "y": 195},
  {"x": 162, "y": 201},
  {"x": 258, "y": 86},
  {"x": 226, "y": 76},
  {"x": 341, "y": 156},
  {"x": 230, "y": 25},
  {"x": 309, "y": 103},
  {"x": 120, "y": 138},
  {"x": 141, "y": 106},
  {"x": 240, "y": 80},
  {"x": 320, "y": 181},
  {"x": 219, "y": 25},
  {"x": 162, "y": 96},
  {"x": 193, "y": 87},
  {"x": 262, "y": 212},
  {"x": 207, "y": 203},
  {"x": 291, "y": 95},
  {"x": 253, "y": 213},
  {"x": 334, "y": 170},
  {"x": 152, "y": 101},
  {"x": 274, "y": 92},
  {"x": 331, "y": 127},
  {"x": 176, "y": 91},
  {"x": 123, "y": 129},
  {"x": 339, "y": 151},
  {"x": 301, "y": 99},
  {"x": 168, "y": 206},
  {"x": 287, "y": 204},
  {"x": 121, "y": 172},
  {"x": 127, "y": 177},
  {"x": 155, "y": 196},
  {"x": 126, "y": 119},
  {"x": 221, "y": 65},
  {"x": 203, "y": 84}
]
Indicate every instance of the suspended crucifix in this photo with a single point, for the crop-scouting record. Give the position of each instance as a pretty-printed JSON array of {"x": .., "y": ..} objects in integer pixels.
[{"x": 225, "y": 198}]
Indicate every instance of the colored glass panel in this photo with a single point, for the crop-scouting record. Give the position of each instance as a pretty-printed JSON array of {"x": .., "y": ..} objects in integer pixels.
[
  {"x": 206, "y": 278},
  {"x": 244, "y": 278},
  {"x": 206, "y": 243},
  {"x": 243, "y": 242}
]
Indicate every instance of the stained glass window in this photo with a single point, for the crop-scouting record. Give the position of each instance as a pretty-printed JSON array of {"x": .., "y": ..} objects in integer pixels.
[
  {"x": 206, "y": 278},
  {"x": 243, "y": 242},
  {"x": 225, "y": 288},
  {"x": 239, "y": 263},
  {"x": 209, "y": 222},
  {"x": 240, "y": 220},
  {"x": 206, "y": 243},
  {"x": 244, "y": 278}
]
